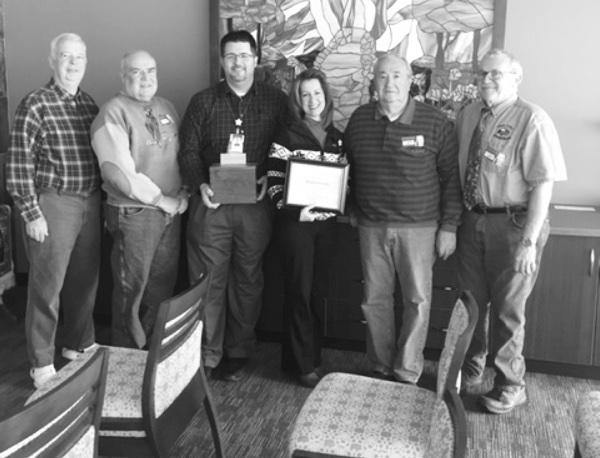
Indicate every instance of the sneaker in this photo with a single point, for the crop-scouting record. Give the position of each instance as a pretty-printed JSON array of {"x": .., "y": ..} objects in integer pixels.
[
  {"x": 41, "y": 375},
  {"x": 503, "y": 399},
  {"x": 309, "y": 380},
  {"x": 67, "y": 353},
  {"x": 469, "y": 381}
]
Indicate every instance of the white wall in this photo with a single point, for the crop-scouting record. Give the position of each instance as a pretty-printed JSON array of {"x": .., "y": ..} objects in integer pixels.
[
  {"x": 557, "y": 43},
  {"x": 176, "y": 32}
]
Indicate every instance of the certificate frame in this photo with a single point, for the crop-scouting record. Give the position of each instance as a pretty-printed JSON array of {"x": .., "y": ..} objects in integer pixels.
[{"x": 319, "y": 183}]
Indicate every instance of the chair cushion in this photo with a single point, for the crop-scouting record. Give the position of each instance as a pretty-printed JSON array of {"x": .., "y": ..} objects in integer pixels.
[
  {"x": 587, "y": 424},
  {"x": 123, "y": 394},
  {"x": 357, "y": 416}
]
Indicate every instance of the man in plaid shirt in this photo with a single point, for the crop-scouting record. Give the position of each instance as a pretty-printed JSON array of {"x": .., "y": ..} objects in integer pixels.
[{"x": 54, "y": 179}]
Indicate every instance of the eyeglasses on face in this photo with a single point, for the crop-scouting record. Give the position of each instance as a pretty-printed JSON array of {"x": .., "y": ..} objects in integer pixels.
[
  {"x": 494, "y": 74},
  {"x": 243, "y": 56}
]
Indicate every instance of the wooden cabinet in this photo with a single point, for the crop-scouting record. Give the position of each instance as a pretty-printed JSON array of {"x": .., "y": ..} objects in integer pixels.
[{"x": 562, "y": 312}]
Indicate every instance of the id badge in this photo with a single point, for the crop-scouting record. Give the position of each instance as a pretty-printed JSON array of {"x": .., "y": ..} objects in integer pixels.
[{"x": 236, "y": 143}]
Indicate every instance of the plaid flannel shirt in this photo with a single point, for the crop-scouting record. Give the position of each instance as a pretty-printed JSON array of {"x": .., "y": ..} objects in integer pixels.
[
  {"x": 210, "y": 119},
  {"x": 50, "y": 148}
]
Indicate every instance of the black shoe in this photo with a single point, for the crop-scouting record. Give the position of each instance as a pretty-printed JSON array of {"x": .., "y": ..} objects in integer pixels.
[
  {"x": 469, "y": 381},
  {"x": 309, "y": 380},
  {"x": 320, "y": 371},
  {"x": 382, "y": 375},
  {"x": 503, "y": 399},
  {"x": 232, "y": 372}
]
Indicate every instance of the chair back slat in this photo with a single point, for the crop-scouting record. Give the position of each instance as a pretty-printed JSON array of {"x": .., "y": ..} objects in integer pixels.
[
  {"x": 176, "y": 319},
  {"x": 54, "y": 423}
]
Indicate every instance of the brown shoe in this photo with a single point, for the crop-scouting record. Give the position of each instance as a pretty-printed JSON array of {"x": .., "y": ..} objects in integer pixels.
[
  {"x": 503, "y": 399},
  {"x": 233, "y": 370},
  {"x": 309, "y": 380}
]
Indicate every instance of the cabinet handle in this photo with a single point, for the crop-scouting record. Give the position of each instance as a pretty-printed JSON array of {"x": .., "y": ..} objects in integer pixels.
[{"x": 592, "y": 261}]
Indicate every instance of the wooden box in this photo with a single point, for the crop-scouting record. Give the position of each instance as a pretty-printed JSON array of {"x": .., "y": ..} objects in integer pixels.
[{"x": 233, "y": 184}]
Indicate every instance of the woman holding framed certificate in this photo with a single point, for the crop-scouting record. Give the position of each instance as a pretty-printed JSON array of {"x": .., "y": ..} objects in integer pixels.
[{"x": 305, "y": 235}]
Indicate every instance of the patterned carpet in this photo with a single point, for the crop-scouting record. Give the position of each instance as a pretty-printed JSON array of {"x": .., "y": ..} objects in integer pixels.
[{"x": 257, "y": 413}]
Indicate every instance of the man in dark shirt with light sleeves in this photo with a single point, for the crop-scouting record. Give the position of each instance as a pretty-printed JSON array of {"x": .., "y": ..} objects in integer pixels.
[
  {"x": 230, "y": 239},
  {"x": 405, "y": 197},
  {"x": 53, "y": 176}
]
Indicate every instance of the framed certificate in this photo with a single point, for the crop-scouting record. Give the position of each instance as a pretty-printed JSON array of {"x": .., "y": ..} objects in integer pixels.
[{"x": 322, "y": 184}]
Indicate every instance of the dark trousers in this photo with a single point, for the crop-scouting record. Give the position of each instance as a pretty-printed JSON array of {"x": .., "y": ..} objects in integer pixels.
[
  {"x": 306, "y": 251},
  {"x": 230, "y": 242}
]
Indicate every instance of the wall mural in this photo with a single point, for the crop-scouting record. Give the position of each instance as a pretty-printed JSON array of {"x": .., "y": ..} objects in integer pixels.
[{"x": 442, "y": 39}]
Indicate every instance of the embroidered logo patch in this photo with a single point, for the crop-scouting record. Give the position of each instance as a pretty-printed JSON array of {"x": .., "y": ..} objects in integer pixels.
[{"x": 504, "y": 132}]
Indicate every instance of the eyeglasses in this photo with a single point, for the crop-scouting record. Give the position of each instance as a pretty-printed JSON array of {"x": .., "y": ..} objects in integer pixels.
[
  {"x": 232, "y": 57},
  {"x": 77, "y": 58},
  {"x": 494, "y": 74}
]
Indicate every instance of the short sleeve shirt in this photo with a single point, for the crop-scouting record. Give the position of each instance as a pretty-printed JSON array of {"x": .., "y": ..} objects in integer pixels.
[{"x": 520, "y": 149}]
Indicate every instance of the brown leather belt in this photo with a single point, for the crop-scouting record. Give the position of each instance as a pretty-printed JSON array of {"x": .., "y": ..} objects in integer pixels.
[{"x": 508, "y": 209}]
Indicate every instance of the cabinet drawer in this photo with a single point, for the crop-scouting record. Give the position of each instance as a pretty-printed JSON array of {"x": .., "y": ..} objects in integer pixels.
[
  {"x": 345, "y": 320},
  {"x": 438, "y": 325},
  {"x": 443, "y": 298}
]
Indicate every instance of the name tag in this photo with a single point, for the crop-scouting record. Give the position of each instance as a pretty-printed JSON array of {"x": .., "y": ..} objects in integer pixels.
[
  {"x": 165, "y": 119},
  {"x": 417, "y": 141},
  {"x": 498, "y": 158}
]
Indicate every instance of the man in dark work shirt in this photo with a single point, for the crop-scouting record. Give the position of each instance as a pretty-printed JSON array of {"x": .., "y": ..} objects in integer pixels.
[{"x": 230, "y": 239}]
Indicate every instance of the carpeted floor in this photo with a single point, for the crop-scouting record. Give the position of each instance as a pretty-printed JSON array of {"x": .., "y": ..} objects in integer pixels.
[{"x": 257, "y": 413}]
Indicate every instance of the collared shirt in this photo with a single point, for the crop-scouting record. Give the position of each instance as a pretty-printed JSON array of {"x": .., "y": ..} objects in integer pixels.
[
  {"x": 520, "y": 149},
  {"x": 404, "y": 172},
  {"x": 50, "y": 147},
  {"x": 210, "y": 120}
]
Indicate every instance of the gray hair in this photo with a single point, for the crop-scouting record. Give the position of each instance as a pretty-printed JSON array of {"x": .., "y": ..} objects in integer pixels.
[
  {"x": 515, "y": 64},
  {"x": 63, "y": 37},
  {"x": 392, "y": 56}
]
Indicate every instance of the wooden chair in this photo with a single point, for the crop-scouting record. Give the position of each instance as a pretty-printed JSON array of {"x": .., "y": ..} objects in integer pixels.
[
  {"x": 349, "y": 415},
  {"x": 587, "y": 426},
  {"x": 62, "y": 420},
  {"x": 151, "y": 397}
]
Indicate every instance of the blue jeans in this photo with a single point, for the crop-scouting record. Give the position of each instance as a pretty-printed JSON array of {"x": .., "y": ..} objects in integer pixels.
[
  {"x": 408, "y": 253},
  {"x": 144, "y": 261},
  {"x": 64, "y": 272},
  {"x": 230, "y": 242},
  {"x": 486, "y": 247}
]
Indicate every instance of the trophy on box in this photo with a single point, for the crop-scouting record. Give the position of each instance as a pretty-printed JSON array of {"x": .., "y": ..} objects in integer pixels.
[{"x": 233, "y": 181}]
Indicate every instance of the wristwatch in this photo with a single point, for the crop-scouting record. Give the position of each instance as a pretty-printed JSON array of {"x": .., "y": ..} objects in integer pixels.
[{"x": 526, "y": 242}]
